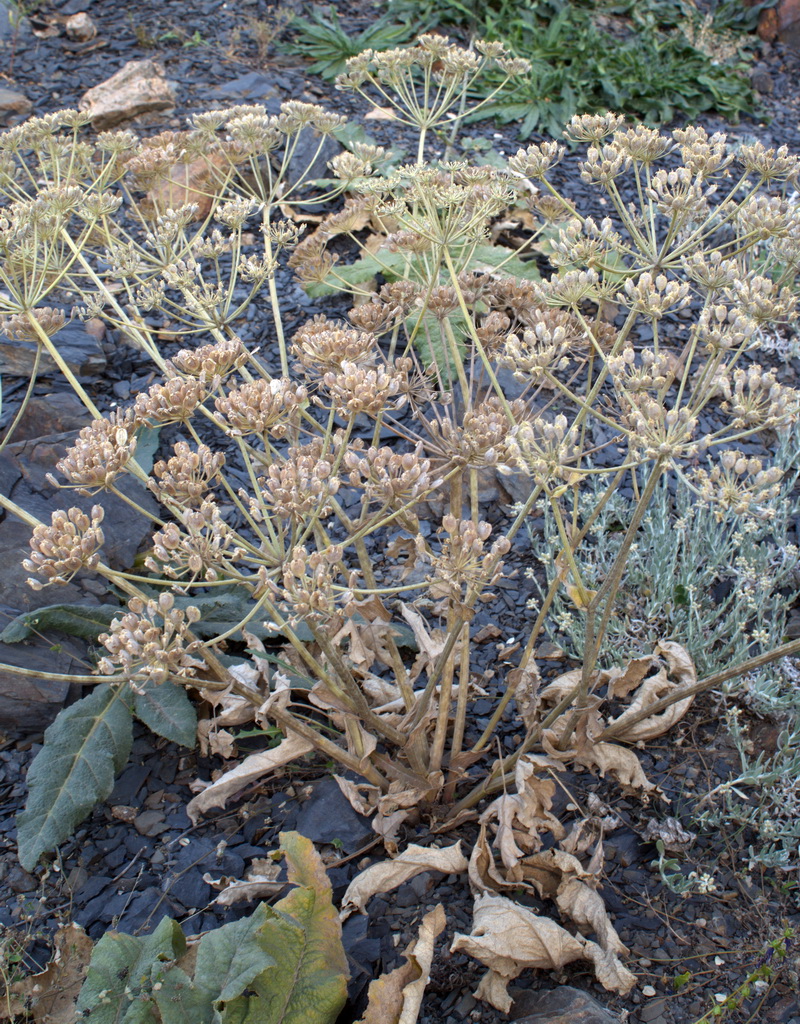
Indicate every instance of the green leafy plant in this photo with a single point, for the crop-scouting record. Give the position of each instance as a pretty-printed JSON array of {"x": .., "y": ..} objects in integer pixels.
[
  {"x": 322, "y": 39},
  {"x": 653, "y": 61}
]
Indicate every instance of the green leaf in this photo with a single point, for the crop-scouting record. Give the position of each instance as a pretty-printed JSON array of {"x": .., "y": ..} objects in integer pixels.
[
  {"x": 83, "y": 750},
  {"x": 118, "y": 986},
  {"x": 230, "y": 957},
  {"x": 167, "y": 710},
  {"x": 146, "y": 447},
  {"x": 71, "y": 619},
  {"x": 180, "y": 1001}
]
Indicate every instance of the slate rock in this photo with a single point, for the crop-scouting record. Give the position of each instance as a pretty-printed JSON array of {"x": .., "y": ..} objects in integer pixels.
[
  {"x": 327, "y": 815},
  {"x": 562, "y": 1005},
  {"x": 12, "y": 103},
  {"x": 52, "y": 414},
  {"x": 189, "y": 889},
  {"x": 81, "y": 351},
  {"x": 254, "y": 87},
  {"x": 127, "y": 786}
]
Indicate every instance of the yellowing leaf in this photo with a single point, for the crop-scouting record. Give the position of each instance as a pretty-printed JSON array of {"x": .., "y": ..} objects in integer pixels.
[
  {"x": 51, "y": 995},
  {"x": 388, "y": 875},
  {"x": 395, "y": 998}
]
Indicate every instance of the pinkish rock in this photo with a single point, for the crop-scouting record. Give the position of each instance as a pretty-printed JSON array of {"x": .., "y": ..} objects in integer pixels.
[
  {"x": 137, "y": 88},
  {"x": 80, "y": 27},
  {"x": 13, "y": 102}
]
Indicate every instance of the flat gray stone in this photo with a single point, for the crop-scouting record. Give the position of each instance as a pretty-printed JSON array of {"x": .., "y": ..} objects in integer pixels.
[{"x": 562, "y": 1005}]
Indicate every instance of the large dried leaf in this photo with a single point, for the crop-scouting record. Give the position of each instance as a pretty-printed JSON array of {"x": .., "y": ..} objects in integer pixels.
[
  {"x": 508, "y": 938},
  {"x": 255, "y": 767},
  {"x": 396, "y": 997},
  {"x": 586, "y": 908},
  {"x": 483, "y": 873},
  {"x": 523, "y": 815},
  {"x": 388, "y": 875},
  {"x": 50, "y": 995},
  {"x": 678, "y": 673},
  {"x": 622, "y": 763},
  {"x": 260, "y": 881}
]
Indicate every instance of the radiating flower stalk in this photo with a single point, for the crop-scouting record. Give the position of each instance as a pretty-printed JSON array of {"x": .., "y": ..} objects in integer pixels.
[{"x": 285, "y": 487}]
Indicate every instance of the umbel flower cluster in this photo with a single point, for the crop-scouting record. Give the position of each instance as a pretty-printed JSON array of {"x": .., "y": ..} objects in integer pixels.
[{"x": 336, "y": 478}]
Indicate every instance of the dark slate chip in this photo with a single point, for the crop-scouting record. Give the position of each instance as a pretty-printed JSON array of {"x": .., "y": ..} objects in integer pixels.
[{"x": 327, "y": 815}]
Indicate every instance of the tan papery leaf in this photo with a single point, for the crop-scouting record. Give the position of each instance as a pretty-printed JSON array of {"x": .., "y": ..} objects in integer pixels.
[
  {"x": 586, "y": 908},
  {"x": 621, "y": 681},
  {"x": 622, "y": 763},
  {"x": 521, "y": 816},
  {"x": 508, "y": 938},
  {"x": 483, "y": 873},
  {"x": 260, "y": 880},
  {"x": 681, "y": 668},
  {"x": 526, "y": 683},
  {"x": 50, "y": 996},
  {"x": 255, "y": 767},
  {"x": 548, "y": 871},
  {"x": 380, "y": 114},
  {"x": 361, "y": 796},
  {"x": 396, "y": 997},
  {"x": 388, "y": 875}
]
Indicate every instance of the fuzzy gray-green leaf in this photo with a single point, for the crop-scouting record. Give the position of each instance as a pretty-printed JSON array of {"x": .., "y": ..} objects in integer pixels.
[
  {"x": 167, "y": 710},
  {"x": 83, "y": 750},
  {"x": 71, "y": 619}
]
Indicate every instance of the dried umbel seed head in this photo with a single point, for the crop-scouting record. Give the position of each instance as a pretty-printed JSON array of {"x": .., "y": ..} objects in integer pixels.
[
  {"x": 375, "y": 316},
  {"x": 402, "y": 294},
  {"x": 763, "y": 217},
  {"x": 100, "y": 453},
  {"x": 300, "y": 485},
  {"x": 211, "y": 363},
  {"x": 322, "y": 345},
  {"x": 311, "y": 261},
  {"x": 650, "y": 373},
  {"x": 721, "y": 328},
  {"x": 571, "y": 289},
  {"x": 584, "y": 243},
  {"x": 593, "y": 127},
  {"x": 151, "y": 642},
  {"x": 540, "y": 350},
  {"x": 642, "y": 144},
  {"x": 679, "y": 194},
  {"x": 656, "y": 430},
  {"x": 603, "y": 164},
  {"x": 493, "y": 331},
  {"x": 768, "y": 164},
  {"x": 352, "y": 217},
  {"x": 174, "y": 401},
  {"x": 203, "y": 546},
  {"x": 543, "y": 450},
  {"x": 480, "y": 438},
  {"x": 388, "y": 477},
  {"x": 757, "y": 401},
  {"x": 711, "y": 271},
  {"x": 464, "y": 560},
  {"x": 71, "y": 542},
  {"x": 760, "y": 299},
  {"x": 19, "y": 327},
  {"x": 653, "y": 296},
  {"x": 738, "y": 483},
  {"x": 536, "y": 160},
  {"x": 263, "y": 406},
  {"x": 308, "y": 584},
  {"x": 185, "y": 479},
  {"x": 357, "y": 389},
  {"x": 702, "y": 155},
  {"x": 442, "y": 302}
]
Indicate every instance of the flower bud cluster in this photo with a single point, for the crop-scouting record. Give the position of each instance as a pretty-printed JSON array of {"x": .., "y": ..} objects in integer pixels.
[
  {"x": 739, "y": 484},
  {"x": 299, "y": 485},
  {"x": 263, "y": 406},
  {"x": 185, "y": 479},
  {"x": 201, "y": 547},
  {"x": 100, "y": 453},
  {"x": 464, "y": 560}
]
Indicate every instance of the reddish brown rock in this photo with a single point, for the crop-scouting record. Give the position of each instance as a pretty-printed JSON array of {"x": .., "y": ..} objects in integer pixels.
[
  {"x": 188, "y": 183},
  {"x": 775, "y": 21},
  {"x": 137, "y": 88}
]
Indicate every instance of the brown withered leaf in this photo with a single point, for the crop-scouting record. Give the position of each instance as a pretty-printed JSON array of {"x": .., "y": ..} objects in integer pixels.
[
  {"x": 260, "y": 881},
  {"x": 483, "y": 873},
  {"x": 361, "y": 796},
  {"x": 388, "y": 875},
  {"x": 50, "y": 996},
  {"x": 679, "y": 672},
  {"x": 523, "y": 815},
  {"x": 671, "y": 833},
  {"x": 576, "y": 900},
  {"x": 622, "y": 763},
  {"x": 526, "y": 682},
  {"x": 396, "y": 997},
  {"x": 508, "y": 938},
  {"x": 255, "y": 767}
]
